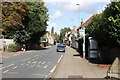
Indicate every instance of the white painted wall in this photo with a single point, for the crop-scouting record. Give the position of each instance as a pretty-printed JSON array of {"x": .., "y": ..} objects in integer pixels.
[
  {"x": 50, "y": 40},
  {"x": 1, "y": 44}
]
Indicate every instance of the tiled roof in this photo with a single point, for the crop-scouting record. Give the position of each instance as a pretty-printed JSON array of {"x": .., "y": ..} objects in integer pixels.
[
  {"x": 88, "y": 21},
  {"x": 75, "y": 30},
  {"x": 84, "y": 24}
]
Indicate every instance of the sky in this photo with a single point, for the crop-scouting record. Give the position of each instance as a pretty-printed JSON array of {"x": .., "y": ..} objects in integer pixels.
[{"x": 68, "y": 13}]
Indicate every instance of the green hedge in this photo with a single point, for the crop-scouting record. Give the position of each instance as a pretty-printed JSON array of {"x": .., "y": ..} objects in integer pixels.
[
  {"x": 12, "y": 48},
  {"x": 51, "y": 45}
]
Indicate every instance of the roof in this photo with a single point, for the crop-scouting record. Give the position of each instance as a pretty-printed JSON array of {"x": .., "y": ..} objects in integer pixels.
[
  {"x": 84, "y": 24},
  {"x": 75, "y": 30},
  {"x": 88, "y": 21}
]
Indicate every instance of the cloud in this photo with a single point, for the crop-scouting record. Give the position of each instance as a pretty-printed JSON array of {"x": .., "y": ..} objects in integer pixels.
[
  {"x": 103, "y": 8},
  {"x": 50, "y": 25},
  {"x": 76, "y": 0},
  {"x": 69, "y": 6},
  {"x": 56, "y": 15}
]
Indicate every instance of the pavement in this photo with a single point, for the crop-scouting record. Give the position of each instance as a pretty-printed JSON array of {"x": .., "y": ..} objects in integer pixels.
[{"x": 73, "y": 66}]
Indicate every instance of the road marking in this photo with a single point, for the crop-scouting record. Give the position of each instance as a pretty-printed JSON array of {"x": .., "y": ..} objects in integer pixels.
[
  {"x": 39, "y": 62},
  {"x": 6, "y": 66},
  {"x": 32, "y": 65},
  {"x": 26, "y": 59},
  {"x": 34, "y": 62},
  {"x": 22, "y": 64},
  {"x": 12, "y": 72},
  {"x": 46, "y": 77},
  {"x": 43, "y": 63},
  {"x": 15, "y": 67},
  {"x": 33, "y": 59},
  {"x": 53, "y": 69},
  {"x": 46, "y": 66},
  {"x": 5, "y": 57},
  {"x": 60, "y": 58},
  {"x": 36, "y": 55},
  {"x": 39, "y": 74},
  {"x": 5, "y": 71},
  {"x": 16, "y": 54}
]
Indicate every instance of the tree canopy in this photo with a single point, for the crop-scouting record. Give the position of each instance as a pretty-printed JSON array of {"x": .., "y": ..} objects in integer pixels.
[
  {"x": 24, "y": 21},
  {"x": 105, "y": 27},
  {"x": 63, "y": 32},
  {"x": 52, "y": 30},
  {"x": 38, "y": 18},
  {"x": 13, "y": 15}
]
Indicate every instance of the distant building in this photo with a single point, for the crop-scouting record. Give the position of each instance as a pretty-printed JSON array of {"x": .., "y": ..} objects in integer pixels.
[
  {"x": 47, "y": 39},
  {"x": 79, "y": 42},
  {"x": 88, "y": 21},
  {"x": 51, "y": 39}
]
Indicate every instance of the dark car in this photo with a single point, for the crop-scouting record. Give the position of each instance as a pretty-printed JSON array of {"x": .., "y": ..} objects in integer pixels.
[{"x": 60, "y": 47}]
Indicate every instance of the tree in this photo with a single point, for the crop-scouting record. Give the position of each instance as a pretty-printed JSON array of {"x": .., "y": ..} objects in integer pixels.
[
  {"x": 38, "y": 18},
  {"x": 63, "y": 32},
  {"x": 105, "y": 27},
  {"x": 56, "y": 36},
  {"x": 52, "y": 30},
  {"x": 13, "y": 15},
  {"x": 24, "y": 21}
]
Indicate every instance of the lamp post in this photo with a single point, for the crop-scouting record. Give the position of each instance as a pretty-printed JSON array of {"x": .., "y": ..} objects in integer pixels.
[
  {"x": 82, "y": 31},
  {"x": 78, "y": 13},
  {"x": 78, "y": 34}
]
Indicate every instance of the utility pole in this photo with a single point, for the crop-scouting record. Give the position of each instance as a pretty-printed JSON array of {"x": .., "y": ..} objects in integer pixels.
[
  {"x": 78, "y": 33},
  {"x": 78, "y": 14}
]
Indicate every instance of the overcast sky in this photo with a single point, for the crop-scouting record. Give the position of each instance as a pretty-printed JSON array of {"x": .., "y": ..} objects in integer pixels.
[{"x": 66, "y": 13}]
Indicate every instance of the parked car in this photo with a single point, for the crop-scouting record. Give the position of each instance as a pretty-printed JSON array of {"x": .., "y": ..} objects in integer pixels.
[
  {"x": 60, "y": 47},
  {"x": 64, "y": 44}
]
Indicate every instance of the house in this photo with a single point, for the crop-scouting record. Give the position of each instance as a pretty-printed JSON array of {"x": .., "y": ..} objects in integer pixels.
[
  {"x": 74, "y": 37},
  {"x": 47, "y": 39},
  {"x": 88, "y": 21},
  {"x": 67, "y": 38},
  {"x": 51, "y": 39},
  {"x": 79, "y": 42}
]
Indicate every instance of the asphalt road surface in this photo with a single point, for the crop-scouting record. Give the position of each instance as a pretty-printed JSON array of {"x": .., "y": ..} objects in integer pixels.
[{"x": 35, "y": 64}]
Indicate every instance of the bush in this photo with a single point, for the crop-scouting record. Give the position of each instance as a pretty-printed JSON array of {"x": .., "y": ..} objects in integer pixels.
[
  {"x": 51, "y": 45},
  {"x": 105, "y": 27},
  {"x": 12, "y": 48}
]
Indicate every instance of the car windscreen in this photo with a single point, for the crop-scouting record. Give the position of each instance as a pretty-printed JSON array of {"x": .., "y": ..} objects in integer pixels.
[{"x": 61, "y": 46}]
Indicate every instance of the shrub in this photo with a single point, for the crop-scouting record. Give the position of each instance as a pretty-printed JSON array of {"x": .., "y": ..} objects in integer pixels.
[
  {"x": 51, "y": 45},
  {"x": 12, "y": 48}
]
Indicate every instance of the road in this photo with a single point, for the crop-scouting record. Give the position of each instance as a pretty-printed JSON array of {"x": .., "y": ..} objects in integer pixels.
[{"x": 36, "y": 64}]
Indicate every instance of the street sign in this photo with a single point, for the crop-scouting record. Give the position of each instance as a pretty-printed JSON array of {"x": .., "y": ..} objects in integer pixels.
[{"x": 82, "y": 33}]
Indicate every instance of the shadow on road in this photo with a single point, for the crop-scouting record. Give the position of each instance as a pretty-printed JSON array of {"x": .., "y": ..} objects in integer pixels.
[{"x": 40, "y": 49}]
